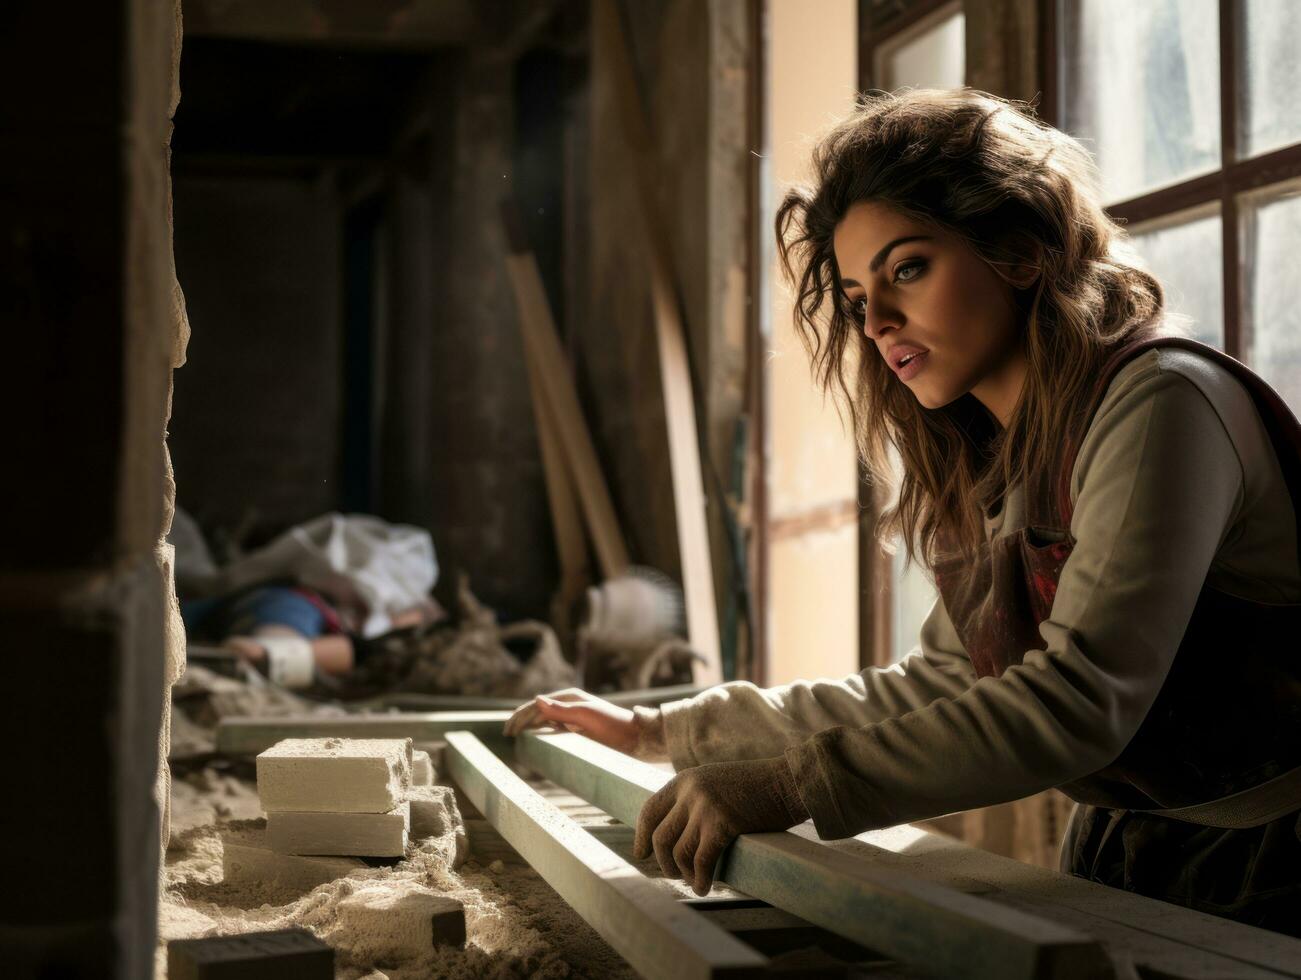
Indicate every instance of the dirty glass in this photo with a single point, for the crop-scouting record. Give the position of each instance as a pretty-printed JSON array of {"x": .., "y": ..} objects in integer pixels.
[
  {"x": 1142, "y": 89},
  {"x": 1273, "y": 239},
  {"x": 935, "y": 58},
  {"x": 1186, "y": 255},
  {"x": 1271, "y": 75},
  {"x": 911, "y": 600}
]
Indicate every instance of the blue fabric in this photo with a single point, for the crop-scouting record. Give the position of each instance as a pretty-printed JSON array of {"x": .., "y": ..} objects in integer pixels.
[{"x": 242, "y": 613}]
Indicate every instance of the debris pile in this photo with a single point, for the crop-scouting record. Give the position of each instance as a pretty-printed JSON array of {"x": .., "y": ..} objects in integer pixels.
[{"x": 476, "y": 657}]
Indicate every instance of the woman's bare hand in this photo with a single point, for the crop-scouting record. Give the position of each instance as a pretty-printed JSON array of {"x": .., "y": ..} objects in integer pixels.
[{"x": 578, "y": 711}]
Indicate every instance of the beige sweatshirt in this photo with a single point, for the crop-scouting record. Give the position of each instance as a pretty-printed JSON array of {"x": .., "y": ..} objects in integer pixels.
[{"x": 1175, "y": 485}]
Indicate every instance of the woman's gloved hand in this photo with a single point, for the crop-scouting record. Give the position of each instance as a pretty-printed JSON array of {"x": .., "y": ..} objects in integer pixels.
[
  {"x": 689, "y": 822},
  {"x": 636, "y": 731}
]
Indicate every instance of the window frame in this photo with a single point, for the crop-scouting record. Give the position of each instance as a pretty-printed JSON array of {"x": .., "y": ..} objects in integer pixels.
[
  {"x": 1233, "y": 184},
  {"x": 1237, "y": 177},
  {"x": 882, "y": 30},
  {"x": 878, "y": 41}
]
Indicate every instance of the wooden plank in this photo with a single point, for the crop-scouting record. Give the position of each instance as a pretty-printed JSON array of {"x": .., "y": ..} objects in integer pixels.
[
  {"x": 566, "y": 520},
  {"x": 409, "y": 701},
  {"x": 919, "y": 923},
  {"x": 542, "y": 345},
  {"x": 1215, "y": 947},
  {"x": 249, "y": 736},
  {"x": 675, "y": 373},
  {"x": 657, "y": 936},
  {"x": 571, "y": 545}
]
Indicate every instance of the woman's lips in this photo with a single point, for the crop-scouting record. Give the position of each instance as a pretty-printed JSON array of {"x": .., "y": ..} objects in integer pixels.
[{"x": 911, "y": 365}]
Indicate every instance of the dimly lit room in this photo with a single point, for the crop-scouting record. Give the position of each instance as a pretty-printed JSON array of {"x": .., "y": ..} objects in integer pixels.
[{"x": 652, "y": 488}]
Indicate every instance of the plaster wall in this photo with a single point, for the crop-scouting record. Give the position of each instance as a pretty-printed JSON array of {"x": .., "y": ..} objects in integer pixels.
[{"x": 813, "y": 591}]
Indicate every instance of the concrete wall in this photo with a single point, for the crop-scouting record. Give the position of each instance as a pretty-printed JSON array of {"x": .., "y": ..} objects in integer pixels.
[
  {"x": 488, "y": 510},
  {"x": 257, "y": 425},
  {"x": 87, "y": 296}
]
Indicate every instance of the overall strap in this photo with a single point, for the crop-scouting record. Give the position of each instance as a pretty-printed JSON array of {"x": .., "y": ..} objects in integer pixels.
[{"x": 1280, "y": 423}]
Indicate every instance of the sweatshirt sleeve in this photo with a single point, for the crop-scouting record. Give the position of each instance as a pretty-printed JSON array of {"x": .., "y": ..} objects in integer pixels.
[
  {"x": 741, "y": 721},
  {"x": 1158, "y": 482}
]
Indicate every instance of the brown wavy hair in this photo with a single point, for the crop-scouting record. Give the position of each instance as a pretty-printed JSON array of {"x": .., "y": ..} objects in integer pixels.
[{"x": 1016, "y": 191}]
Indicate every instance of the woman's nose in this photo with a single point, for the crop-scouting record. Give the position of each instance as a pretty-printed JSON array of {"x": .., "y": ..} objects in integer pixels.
[{"x": 878, "y": 321}]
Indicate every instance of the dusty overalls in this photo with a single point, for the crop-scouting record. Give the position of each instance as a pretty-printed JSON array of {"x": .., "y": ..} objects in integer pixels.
[{"x": 1221, "y": 745}]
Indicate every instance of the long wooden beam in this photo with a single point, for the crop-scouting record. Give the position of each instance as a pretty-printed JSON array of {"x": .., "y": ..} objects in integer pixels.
[
  {"x": 542, "y": 347},
  {"x": 650, "y": 697},
  {"x": 920, "y": 923},
  {"x": 659, "y": 937},
  {"x": 443, "y": 713},
  {"x": 249, "y": 736},
  {"x": 1162, "y": 938}
]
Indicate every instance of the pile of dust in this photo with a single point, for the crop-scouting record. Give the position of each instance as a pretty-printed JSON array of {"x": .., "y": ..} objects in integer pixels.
[{"x": 516, "y": 925}]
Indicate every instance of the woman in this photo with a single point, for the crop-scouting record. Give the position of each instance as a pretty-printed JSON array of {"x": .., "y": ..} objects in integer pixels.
[{"x": 1108, "y": 513}]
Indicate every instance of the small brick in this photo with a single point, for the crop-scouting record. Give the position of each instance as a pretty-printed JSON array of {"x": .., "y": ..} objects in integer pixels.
[
  {"x": 422, "y": 769},
  {"x": 433, "y": 810},
  {"x": 401, "y": 920},
  {"x": 352, "y": 775},
  {"x": 285, "y": 954},
  {"x": 363, "y": 834},
  {"x": 247, "y": 859}
]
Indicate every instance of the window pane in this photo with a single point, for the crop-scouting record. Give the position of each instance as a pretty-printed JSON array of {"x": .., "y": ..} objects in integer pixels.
[
  {"x": 935, "y": 58},
  {"x": 1188, "y": 259},
  {"x": 911, "y": 599},
  {"x": 1142, "y": 89},
  {"x": 1274, "y": 292},
  {"x": 1272, "y": 74}
]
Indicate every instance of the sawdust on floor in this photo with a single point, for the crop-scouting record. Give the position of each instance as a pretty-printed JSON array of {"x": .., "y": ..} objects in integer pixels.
[{"x": 516, "y": 925}]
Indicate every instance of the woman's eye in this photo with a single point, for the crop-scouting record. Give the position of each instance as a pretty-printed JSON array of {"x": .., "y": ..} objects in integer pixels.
[
  {"x": 908, "y": 271},
  {"x": 860, "y": 307}
]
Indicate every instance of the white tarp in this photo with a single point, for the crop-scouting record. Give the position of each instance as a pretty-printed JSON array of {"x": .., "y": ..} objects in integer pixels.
[{"x": 369, "y": 569}]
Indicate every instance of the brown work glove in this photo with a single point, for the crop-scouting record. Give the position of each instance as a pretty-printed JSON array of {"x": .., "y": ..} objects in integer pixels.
[{"x": 690, "y": 821}]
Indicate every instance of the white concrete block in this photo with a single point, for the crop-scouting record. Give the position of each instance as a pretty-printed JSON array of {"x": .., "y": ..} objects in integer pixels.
[
  {"x": 361, "y": 834},
  {"x": 433, "y": 811},
  {"x": 247, "y": 859},
  {"x": 422, "y": 769},
  {"x": 353, "y": 775},
  {"x": 400, "y": 920}
]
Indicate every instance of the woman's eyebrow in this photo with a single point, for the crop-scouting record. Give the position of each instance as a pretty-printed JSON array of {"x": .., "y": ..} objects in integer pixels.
[{"x": 881, "y": 255}]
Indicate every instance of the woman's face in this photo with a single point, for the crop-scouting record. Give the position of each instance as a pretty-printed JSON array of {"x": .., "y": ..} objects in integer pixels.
[{"x": 943, "y": 320}]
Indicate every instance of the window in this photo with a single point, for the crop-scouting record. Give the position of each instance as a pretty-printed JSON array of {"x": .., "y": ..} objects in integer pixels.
[
  {"x": 1189, "y": 107},
  {"x": 922, "y": 47},
  {"x": 1184, "y": 252},
  {"x": 926, "y": 54}
]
